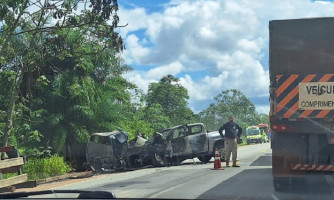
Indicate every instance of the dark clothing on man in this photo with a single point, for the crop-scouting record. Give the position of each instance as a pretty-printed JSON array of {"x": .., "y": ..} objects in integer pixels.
[{"x": 231, "y": 130}]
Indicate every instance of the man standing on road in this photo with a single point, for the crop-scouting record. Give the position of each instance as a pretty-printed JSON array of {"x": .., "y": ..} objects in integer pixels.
[{"x": 232, "y": 133}]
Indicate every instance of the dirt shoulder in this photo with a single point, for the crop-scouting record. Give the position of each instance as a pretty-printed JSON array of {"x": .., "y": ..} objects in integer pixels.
[{"x": 62, "y": 180}]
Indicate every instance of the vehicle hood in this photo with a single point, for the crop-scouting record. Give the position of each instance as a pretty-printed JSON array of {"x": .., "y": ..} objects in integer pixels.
[{"x": 214, "y": 135}]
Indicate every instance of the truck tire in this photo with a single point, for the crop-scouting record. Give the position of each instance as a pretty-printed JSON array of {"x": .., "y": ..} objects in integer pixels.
[{"x": 205, "y": 158}]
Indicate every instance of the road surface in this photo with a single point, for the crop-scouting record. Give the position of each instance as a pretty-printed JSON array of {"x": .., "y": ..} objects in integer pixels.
[{"x": 192, "y": 179}]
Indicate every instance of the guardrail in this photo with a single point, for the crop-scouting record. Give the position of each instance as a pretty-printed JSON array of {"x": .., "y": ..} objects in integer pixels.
[{"x": 12, "y": 164}]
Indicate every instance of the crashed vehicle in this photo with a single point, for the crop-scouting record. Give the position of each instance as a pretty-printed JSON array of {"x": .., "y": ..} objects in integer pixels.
[
  {"x": 168, "y": 147},
  {"x": 137, "y": 153},
  {"x": 187, "y": 142},
  {"x": 112, "y": 151},
  {"x": 106, "y": 151}
]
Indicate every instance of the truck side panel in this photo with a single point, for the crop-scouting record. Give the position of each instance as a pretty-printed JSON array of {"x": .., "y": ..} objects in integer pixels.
[{"x": 301, "y": 46}]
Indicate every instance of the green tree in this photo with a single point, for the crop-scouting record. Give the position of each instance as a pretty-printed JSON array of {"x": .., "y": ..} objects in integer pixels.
[
  {"x": 87, "y": 95},
  {"x": 262, "y": 118},
  {"x": 154, "y": 114},
  {"x": 142, "y": 118},
  {"x": 47, "y": 43},
  {"x": 173, "y": 99},
  {"x": 212, "y": 117},
  {"x": 230, "y": 102}
]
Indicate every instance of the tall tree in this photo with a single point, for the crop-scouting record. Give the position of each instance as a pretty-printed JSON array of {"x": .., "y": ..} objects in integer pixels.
[
  {"x": 142, "y": 118},
  {"x": 43, "y": 39},
  {"x": 155, "y": 115},
  {"x": 230, "y": 102},
  {"x": 173, "y": 99},
  {"x": 86, "y": 94}
]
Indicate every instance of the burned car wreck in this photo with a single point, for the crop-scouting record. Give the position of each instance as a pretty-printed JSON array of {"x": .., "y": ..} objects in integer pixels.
[
  {"x": 107, "y": 150},
  {"x": 187, "y": 142},
  {"x": 168, "y": 147}
]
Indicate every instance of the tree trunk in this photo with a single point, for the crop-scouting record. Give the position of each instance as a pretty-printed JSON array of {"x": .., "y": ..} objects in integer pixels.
[{"x": 11, "y": 107}]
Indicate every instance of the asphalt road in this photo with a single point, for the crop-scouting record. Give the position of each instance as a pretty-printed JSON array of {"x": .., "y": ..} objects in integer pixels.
[{"x": 191, "y": 180}]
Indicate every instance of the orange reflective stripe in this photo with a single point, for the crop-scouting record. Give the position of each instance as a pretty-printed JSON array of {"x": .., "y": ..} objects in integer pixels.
[
  {"x": 323, "y": 113},
  {"x": 326, "y": 77},
  {"x": 291, "y": 110},
  {"x": 305, "y": 113},
  {"x": 287, "y": 99},
  {"x": 286, "y": 84},
  {"x": 293, "y": 93},
  {"x": 278, "y": 77}
]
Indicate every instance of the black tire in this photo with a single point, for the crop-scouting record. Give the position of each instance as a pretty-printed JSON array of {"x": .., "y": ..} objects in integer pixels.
[
  {"x": 158, "y": 160},
  {"x": 177, "y": 160},
  {"x": 221, "y": 152},
  {"x": 121, "y": 164},
  {"x": 205, "y": 159},
  {"x": 222, "y": 156}
]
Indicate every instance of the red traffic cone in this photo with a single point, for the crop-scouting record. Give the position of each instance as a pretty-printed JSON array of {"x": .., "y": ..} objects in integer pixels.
[{"x": 217, "y": 164}]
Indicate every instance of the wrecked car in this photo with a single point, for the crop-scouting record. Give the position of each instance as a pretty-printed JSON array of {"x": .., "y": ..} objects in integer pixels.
[
  {"x": 187, "y": 142},
  {"x": 152, "y": 152},
  {"x": 137, "y": 153},
  {"x": 106, "y": 151},
  {"x": 168, "y": 147}
]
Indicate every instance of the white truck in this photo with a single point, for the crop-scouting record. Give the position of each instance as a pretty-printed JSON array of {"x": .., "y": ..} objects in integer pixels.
[{"x": 187, "y": 142}]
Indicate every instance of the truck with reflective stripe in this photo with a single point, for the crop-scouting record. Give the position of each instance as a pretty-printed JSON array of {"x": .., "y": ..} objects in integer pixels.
[{"x": 301, "y": 61}]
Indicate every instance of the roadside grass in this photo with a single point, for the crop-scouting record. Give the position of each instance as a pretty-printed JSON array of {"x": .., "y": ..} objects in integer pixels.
[
  {"x": 9, "y": 175},
  {"x": 244, "y": 140},
  {"x": 45, "y": 167}
]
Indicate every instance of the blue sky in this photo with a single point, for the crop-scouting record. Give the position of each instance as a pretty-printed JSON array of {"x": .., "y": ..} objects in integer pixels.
[{"x": 210, "y": 45}]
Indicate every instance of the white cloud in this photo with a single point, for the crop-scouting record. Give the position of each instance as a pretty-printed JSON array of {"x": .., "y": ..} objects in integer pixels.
[
  {"x": 224, "y": 39},
  {"x": 135, "y": 50},
  {"x": 158, "y": 72},
  {"x": 135, "y": 19},
  {"x": 262, "y": 109},
  {"x": 139, "y": 78},
  {"x": 143, "y": 78}
]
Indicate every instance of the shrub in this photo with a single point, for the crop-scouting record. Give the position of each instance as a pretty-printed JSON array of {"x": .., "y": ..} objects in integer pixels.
[{"x": 45, "y": 167}]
